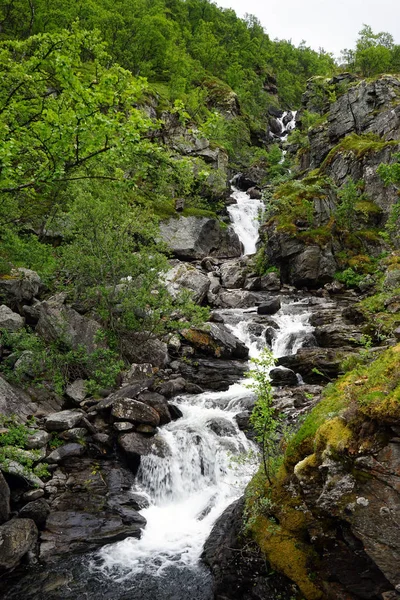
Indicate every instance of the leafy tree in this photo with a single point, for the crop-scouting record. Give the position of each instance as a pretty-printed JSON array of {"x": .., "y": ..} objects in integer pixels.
[
  {"x": 374, "y": 53},
  {"x": 263, "y": 418},
  {"x": 114, "y": 265}
]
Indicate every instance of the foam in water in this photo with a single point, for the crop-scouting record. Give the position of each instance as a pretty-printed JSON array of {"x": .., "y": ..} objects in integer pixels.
[
  {"x": 245, "y": 217},
  {"x": 188, "y": 489}
]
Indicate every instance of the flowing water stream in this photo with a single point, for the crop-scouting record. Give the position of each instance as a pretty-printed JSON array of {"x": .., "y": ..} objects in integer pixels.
[{"x": 190, "y": 488}]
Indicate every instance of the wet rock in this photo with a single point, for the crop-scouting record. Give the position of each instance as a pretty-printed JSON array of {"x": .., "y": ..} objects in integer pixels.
[
  {"x": 158, "y": 403},
  {"x": 73, "y": 531},
  {"x": 31, "y": 495},
  {"x": 313, "y": 267},
  {"x": 194, "y": 238},
  {"x": 65, "y": 419},
  {"x": 175, "y": 412},
  {"x": 37, "y": 510},
  {"x": 131, "y": 390},
  {"x": 222, "y": 426},
  {"x": 172, "y": 387},
  {"x": 135, "y": 445},
  {"x": 243, "y": 420},
  {"x": 253, "y": 284},
  {"x": 64, "y": 452},
  {"x": 186, "y": 277},
  {"x": 283, "y": 376},
  {"x": 21, "y": 287},
  {"x": 243, "y": 182},
  {"x": 307, "y": 361},
  {"x": 58, "y": 321},
  {"x": 270, "y": 307},
  {"x": 239, "y": 568},
  {"x": 4, "y": 500},
  {"x": 76, "y": 391},
  {"x": 127, "y": 409},
  {"x": 214, "y": 375},
  {"x": 131, "y": 499},
  {"x": 9, "y": 320},
  {"x": 337, "y": 335},
  {"x": 216, "y": 340},
  {"x": 17, "y": 537}
]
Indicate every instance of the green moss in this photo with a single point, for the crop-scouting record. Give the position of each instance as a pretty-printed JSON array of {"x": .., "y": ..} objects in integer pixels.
[{"x": 358, "y": 145}]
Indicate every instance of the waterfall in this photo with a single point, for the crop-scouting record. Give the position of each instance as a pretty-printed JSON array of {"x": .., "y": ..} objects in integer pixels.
[
  {"x": 245, "y": 217},
  {"x": 210, "y": 461}
]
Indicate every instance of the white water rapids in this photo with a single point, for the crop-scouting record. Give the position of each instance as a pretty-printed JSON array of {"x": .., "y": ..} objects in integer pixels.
[
  {"x": 245, "y": 217},
  {"x": 204, "y": 470}
]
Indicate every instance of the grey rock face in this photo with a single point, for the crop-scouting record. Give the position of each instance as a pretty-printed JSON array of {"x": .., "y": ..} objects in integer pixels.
[
  {"x": 236, "y": 299},
  {"x": 214, "y": 375},
  {"x": 17, "y": 537},
  {"x": 313, "y": 267},
  {"x": 127, "y": 409},
  {"x": 192, "y": 238},
  {"x": 37, "y": 440},
  {"x": 139, "y": 348},
  {"x": 14, "y": 401},
  {"x": 9, "y": 320},
  {"x": 233, "y": 274},
  {"x": 4, "y": 499},
  {"x": 57, "y": 321},
  {"x": 184, "y": 276},
  {"x": 65, "y": 419},
  {"x": 76, "y": 390},
  {"x": 158, "y": 403},
  {"x": 270, "y": 282},
  {"x": 21, "y": 287},
  {"x": 222, "y": 426}
]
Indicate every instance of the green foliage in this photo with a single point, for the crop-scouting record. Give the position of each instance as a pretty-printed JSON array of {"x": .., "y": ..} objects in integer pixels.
[
  {"x": 374, "y": 53},
  {"x": 114, "y": 264},
  {"x": 16, "y": 433},
  {"x": 349, "y": 277},
  {"x": 58, "y": 363},
  {"x": 12, "y": 444},
  {"x": 263, "y": 417}
]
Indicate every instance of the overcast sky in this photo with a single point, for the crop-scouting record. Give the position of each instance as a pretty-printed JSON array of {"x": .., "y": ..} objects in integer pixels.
[{"x": 332, "y": 25}]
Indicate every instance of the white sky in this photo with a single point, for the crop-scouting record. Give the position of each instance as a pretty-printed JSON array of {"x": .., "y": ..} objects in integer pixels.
[{"x": 330, "y": 24}]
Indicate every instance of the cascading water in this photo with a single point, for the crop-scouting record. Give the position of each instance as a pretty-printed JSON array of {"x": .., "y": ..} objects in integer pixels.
[
  {"x": 197, "y": 479},
  {"x": 245, "y": 217}
]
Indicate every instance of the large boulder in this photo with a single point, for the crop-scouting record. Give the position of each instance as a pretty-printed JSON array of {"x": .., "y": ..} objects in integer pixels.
[
  {"x": 37, "y": 510},
  {"x": 20, "y": 287},
  {"x": 216, "y": 340},
  {"x": 313, "y": 267},
  {"x": 143, "y": 348},
  {"x": 212, "y": 374},
  {"x": 65, "y": 419},
  {"x": 158, "y": 403},
  {"x": 236, "y": 299},
  {"x": 233, "y": 274},
  {"x": 59, "y": 322},
  {"x": 73, "y": 531},
  {"x": 65, "y": 452},
  {"x": 194, "y": 238},
  {"x": 186, "y": 277},
  {"x": 135, "y": 445},
  {"x": 9, "y": 320},
  {"x": 14, "y": 401},
  {"x": 270, "y": 307},
  {"x": 283, "y": 376},
  {"x": 17, "y": 537},
  {"x": 127, "y": 409}
]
